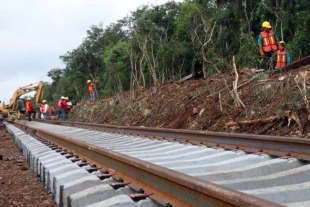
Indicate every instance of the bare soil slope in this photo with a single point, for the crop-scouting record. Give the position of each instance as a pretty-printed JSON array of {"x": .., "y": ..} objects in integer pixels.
[{"x": 269, "y": 104}]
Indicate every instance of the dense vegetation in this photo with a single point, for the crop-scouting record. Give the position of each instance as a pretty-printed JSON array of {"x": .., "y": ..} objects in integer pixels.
[{"x": 155, "y": 44}]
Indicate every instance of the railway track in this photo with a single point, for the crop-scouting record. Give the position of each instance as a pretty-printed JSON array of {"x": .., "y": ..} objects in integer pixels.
[{"x": 154, "y": 167}]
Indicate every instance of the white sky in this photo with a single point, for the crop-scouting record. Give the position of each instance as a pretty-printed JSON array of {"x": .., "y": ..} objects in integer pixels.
[{"x": 34, "y": 33}]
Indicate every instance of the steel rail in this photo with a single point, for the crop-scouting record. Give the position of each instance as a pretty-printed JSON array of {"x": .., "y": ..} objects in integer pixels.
[
  {"x": 166, "y": 185},
  {"x": 294, "y": 65},
  {"x": 272, "y": 145}
]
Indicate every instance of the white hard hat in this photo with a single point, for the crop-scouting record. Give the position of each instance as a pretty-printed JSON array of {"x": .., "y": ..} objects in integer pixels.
[
  {"x": 62, "y": 97},
  {"x": 282, "y": 43}
]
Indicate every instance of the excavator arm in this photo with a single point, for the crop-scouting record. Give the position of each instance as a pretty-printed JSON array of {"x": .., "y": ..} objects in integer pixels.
[
  {"x": 12, "y": 108},
  {"x": 24, "y": 90},
  {"x": 39, "y": 93}
]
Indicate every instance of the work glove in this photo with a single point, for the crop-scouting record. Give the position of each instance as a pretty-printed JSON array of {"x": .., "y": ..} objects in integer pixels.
[{"x": 262, "y": 54}]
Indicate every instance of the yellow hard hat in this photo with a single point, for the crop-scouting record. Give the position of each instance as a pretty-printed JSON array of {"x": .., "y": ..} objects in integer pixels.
[
  {"x": 44, "y": 101},
  {"x": 67, "y": 98},
  {"x": 88, "y": 81},
  {"x": 266, "y": 24},
  {"x": 28, "y": 98},
  {"x": 282, "y": 43}
]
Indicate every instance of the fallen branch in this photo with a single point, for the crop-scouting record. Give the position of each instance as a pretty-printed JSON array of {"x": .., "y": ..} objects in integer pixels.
[
  {"x": 248, "y": 81},
  {"x": 228, "y": 89},
  {"x": 291, "y": 116},
  {"x": 221, "y": 107},
  {"x": 235, "y": 86},
  {"x": 267, "y": 128},
  {"x": 250, "y": 122}
]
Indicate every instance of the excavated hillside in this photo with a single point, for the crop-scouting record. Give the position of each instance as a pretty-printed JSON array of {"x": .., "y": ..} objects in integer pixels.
[{"x": 246, "y": 102}]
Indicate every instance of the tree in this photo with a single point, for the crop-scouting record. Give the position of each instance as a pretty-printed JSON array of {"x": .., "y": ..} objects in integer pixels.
[{"x": 155, "y": 44}]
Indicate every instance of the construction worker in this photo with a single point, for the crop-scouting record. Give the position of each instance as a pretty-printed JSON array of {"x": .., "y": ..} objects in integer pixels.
[
  {"x": 64, "y": 108},
  {"x": 91, "y": 90},
  {"x": 41, "y": 111},
  {"x": 29, "y": 108},
  {"x": 45, "y": 110},
  {"x": 283, "y": 56},
  {"x": 268, "y": 42},
  {"x": 60, "y": 108},
  {"x": 67, "y": 109}
]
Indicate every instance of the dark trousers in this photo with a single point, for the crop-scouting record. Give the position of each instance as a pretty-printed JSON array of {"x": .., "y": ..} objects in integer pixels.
[
  {"x": 61, "y": 113},
  {"x": 30, "y": 113},
  {"x": 270, "y": 60}
]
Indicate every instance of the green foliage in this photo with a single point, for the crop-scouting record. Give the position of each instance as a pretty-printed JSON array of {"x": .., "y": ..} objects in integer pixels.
[
  {"x": 55, "y": 74},
  {"x": 256, "y": 111},
  {"x": 157, "y": 43},
  {"x": 47, "y": 93},
  {"x": 295, "y": 97},
  {"x": 117, "y": 62},
  {"x": 280, "y": 113},
  {"x": 248, "y": 53},
  {"x": 261, "y": 76},
  {"x": 301, "y": 41}
]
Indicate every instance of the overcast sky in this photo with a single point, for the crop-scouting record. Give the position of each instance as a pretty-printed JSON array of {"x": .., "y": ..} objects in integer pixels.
[{"x": 34, "y": 33}]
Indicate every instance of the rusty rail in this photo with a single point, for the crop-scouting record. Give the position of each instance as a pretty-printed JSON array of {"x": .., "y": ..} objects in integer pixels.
[
  {"x": 294, "y": 65},
  {"x": 272, "y": 145},
  {"x": 165, "y": 186}
]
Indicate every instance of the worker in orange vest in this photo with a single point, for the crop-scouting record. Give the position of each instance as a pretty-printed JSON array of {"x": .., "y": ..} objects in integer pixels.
[
  {"x": 268, "y": 42},
  {"x": 283, "y": 56},
  {"x": 29, "y": 108},
  {"x": 91, "y": 90}
]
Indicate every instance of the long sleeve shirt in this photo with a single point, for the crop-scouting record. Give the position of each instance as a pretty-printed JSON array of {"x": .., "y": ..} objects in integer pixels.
[{"x": 45, "y": 108}]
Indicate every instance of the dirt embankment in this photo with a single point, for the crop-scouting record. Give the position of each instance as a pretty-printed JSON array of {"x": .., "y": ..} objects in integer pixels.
[
  {"x": 258, "y": 104},
  {"x": 19, "y": 186}
]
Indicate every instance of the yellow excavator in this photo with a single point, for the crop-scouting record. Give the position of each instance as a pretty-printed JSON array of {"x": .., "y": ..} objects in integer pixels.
[{"x": 13, "y": 110}]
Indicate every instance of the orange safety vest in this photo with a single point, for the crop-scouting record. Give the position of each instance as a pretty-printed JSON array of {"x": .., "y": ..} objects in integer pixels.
[
  {"x": 269, "y": 42},
  {"x": 281, "y": 58},
  {"x": 91, "y": 88}
]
